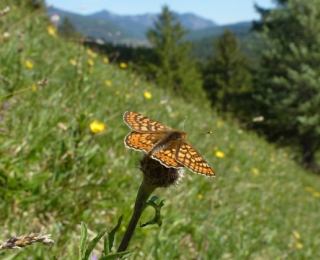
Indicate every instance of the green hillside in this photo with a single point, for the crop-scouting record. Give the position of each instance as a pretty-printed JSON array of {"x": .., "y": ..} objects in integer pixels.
[{"x": 55, "y": 173}]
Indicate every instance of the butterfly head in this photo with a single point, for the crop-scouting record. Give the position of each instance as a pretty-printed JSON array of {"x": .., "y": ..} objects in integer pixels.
[{"x": 175, "y": 135}]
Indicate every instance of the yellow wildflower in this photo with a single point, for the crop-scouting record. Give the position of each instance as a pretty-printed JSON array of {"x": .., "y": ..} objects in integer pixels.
[
  {"x": 29, "y": 64},
  {"x": 200, "y": 196},
  {"x": 220, "y": 123},
  {"x": 299, "y": 245},
  {"x": 236, "y": 169},
  {"x": 34, "y": 87},
  {"x": 123, "y": 65},
  {"x": 97, "y": 127},
  {"x": 147, "y": 95},
  {"x": 91, "y": 53},
  {"x": 73, "y": 62},
  {"x": 106, "y": 60},
  {"x": 108, "y": 82},
  {"x": 90, "y": 62},
  {"x": 255, "y": 171},
  {"x": 52, "y": 31},
  {"x": 272, "y": 158},
  {"x": 296, "y": 234},
  {"x": 220, "y": 154},
  {"x": 117, "y": 92},
  {"x": 310, "y": 189},
  {"x": 316, "y": 194}
]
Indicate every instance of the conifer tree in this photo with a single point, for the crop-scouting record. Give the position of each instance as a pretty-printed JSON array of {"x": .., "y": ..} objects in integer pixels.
[
  {"x": 288, "y": 89},
  {"x": 171, "y": 65},
  {"x": 227, "y": 79},
  {"x": 66, "y": 28}
]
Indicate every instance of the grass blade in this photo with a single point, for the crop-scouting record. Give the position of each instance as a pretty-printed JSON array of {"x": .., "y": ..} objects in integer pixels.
[
  {"x": 83, "y": 239},
  {"x": 113, "y": 232},
  {"x": 93, "y": 243},
  {"x": 118, "y": 255},
  {"x": 106, "y": 245}
]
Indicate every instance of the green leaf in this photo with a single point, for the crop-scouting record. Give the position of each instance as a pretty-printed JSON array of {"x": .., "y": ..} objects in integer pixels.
[
  {"x": 38, "y": 180},
  {"x": 83, "y": 239},
  {"x": 118, "y": 255},
  {"x": 106, "y": 245},
  {"x": 113, "y": 232},
  {"x": 157, "y": 218},
  {"x": 93, "y": 243}
]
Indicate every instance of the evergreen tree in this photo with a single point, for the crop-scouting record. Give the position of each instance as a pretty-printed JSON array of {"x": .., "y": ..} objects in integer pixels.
[
  {"x": 171, "y": 65},
  {"x": 66, "y": 28},
  {"x": 288, "y": 88},
  {"x": 227, "y": 79}
]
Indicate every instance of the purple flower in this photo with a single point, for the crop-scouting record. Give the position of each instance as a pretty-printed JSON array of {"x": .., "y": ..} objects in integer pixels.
[
  {"x": 94, "y": 257},
  {"x": 6, "y": 105}
]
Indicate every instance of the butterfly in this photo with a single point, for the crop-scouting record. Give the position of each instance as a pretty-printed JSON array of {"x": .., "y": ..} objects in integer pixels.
[{"x": 164, "y": 144}]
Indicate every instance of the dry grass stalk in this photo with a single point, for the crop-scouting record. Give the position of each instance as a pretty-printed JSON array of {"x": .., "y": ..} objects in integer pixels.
[{"x": 25, "y": 240}]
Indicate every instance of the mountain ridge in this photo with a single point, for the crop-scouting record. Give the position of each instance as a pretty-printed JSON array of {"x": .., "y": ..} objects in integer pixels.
[{"x": 131, "y": 29}]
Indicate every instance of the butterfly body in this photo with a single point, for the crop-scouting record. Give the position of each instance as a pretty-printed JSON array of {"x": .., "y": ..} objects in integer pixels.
[
  {"x": 167, "y": 139},
  {"x": 163, "y": 143}
]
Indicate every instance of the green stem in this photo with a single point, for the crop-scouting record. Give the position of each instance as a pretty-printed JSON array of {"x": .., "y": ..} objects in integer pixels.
[{"x": 142, "y": 196}]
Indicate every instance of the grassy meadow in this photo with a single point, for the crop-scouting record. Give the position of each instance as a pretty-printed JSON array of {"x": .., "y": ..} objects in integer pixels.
[{"x": 55, "y": 173}]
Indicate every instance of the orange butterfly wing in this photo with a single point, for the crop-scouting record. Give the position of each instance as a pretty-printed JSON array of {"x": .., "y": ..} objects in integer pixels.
[
  {"x": 191, "y": 158},
  {"x": 141, "y": 141},
  {"x": 141, "y": 123},
  {"x": 167, "y": 155}
]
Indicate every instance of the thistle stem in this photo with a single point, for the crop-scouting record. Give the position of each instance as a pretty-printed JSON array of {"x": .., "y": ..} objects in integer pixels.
[{"x": 144, "y": 193}]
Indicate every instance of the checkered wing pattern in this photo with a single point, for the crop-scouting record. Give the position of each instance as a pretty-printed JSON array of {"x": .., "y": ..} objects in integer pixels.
[
  {"x": 141, "y": 123},
  {"x": 191, "y": 158},
  {"x": 141, "y": 141},
  {"x": 166, "y": 156}
]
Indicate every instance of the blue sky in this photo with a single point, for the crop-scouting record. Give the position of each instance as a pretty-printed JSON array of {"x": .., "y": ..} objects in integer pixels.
[{"x": 219, "y": 11}]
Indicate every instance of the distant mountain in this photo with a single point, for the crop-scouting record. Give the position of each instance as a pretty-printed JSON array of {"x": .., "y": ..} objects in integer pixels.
[
  {"x": 131, "y": 29},
  {"x": 238, "y": 29},
  {"x": 124, "y": 28},
  {"x": 144, "y": 22},
  {"x": 136, "y": 24},
  {"x": 97, "y": 28},
  {"x": 194, "y": 22}
]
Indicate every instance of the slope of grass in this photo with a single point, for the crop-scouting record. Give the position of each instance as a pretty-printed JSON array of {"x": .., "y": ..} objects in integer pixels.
[{"x": 55, "y": 173}]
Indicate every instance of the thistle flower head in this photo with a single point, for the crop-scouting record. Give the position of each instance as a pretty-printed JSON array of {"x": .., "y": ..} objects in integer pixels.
[{"x": 158, "y": 175}]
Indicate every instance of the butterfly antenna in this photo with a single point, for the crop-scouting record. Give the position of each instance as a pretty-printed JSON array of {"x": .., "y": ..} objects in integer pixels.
[{"x": 184, "y": 121}]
